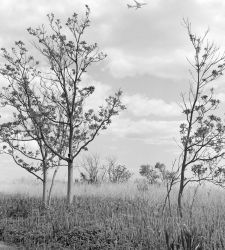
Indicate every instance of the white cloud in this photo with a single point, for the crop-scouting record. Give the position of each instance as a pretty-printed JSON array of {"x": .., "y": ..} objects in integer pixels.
[
  {"x": 160, "y": 132},
  {"x": 139, "y": 43},
  {"x": 6, "y": 114},
  {"x": 211, "y": 2},
  {"x": 121, "y": 64},
  {"x": 221, "y": 97},
  {"x": 140, "y": 105},
  {"x": 102, "y": 91}
]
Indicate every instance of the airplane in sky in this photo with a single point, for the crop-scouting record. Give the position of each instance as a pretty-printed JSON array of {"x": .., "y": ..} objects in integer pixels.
[{"x": 137, "y": 5}]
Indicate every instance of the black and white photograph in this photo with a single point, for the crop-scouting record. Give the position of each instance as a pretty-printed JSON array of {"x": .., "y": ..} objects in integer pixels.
[{"x": 112, "y": 124}]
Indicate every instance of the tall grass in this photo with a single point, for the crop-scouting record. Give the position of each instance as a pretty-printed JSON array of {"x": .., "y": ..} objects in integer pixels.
[
  {"x": 118, "y": 216},
  {"x": 122, "y": 190}
]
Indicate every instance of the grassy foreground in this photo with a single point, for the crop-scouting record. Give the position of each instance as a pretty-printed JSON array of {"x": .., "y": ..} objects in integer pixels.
[{"x": 113, "y": 217}]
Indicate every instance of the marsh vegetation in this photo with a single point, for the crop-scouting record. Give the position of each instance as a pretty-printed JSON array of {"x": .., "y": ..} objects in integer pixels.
[{"x": 112, "y": 216}]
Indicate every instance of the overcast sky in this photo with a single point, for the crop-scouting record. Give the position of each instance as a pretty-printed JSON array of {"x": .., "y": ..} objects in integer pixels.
[{"x": 146, "y": 51}]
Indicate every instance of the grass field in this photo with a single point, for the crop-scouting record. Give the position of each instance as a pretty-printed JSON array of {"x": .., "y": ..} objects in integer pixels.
[{"x": 110, "y": 216}]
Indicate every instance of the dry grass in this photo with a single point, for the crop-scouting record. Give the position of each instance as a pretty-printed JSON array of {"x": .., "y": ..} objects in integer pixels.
[
  {"x": 111, "y": 216},
  {"x": 120, "y": 190}
]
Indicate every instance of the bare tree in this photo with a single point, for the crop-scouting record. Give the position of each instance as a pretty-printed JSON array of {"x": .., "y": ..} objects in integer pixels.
[
  {"x": 52, "y": 185},
  {"x": 202, "y": 133},
  {"x": 93, "y": 171},
  {"x": 171, "y": 178},
  {"x": 116, "y": 172}
]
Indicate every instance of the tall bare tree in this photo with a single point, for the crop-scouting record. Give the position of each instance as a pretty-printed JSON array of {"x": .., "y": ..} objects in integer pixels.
[{"x": 202, "y": 133}]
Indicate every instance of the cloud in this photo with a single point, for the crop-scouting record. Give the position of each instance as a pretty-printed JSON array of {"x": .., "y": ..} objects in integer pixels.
[
  {"x": 168, "y": 65},
  {"x": 6, "y": 114},
  {"x": 146, "y": 54},
  {"x": 148, "y": 131},
  {"x": 210, "y": 2},
  {"x": 155, "y": 49},
  {"x": 220, "y": 96},
  {"x": 142, "y": 106},
  {"x": 102, "y": 91}
]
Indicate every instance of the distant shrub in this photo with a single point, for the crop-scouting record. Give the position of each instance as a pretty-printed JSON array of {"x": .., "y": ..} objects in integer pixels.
[
  {"x": 157, "y": 174},
  {"x": 116, "y": 173},
  {"x": 92, "y": 169}
]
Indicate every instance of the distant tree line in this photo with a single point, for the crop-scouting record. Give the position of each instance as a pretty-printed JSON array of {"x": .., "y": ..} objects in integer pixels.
[{"x": 94, "y": 171}]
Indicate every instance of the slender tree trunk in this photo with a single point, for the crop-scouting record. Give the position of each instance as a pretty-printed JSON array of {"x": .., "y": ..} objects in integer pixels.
[
  {"x": 179, "y": 208},
  {"x": 168, "y": 189},
  {"x": 51, "y": 187},
  {"x": 181, "y": 189},
  {"x": 70, "y": 183},
  {"x": 44, "y": 190}
]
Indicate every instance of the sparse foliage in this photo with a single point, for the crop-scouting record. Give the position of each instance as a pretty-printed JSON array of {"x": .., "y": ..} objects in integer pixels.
[
  {"x": 116, "y": 172},
  {"x": 202, "y": 133},
  {"x": 57, "y": 100},
  {"x": 92, "y": 170},
  {"x": 21, "y": 136},
  {"x": 69, "y": 57},
  {"x": 157, "y": 174}
]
